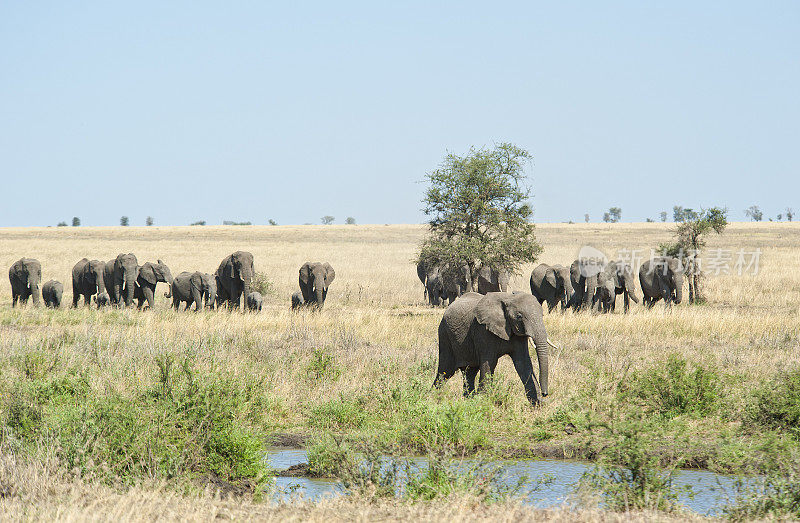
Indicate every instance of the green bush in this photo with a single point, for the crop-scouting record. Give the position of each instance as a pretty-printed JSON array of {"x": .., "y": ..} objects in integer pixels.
[
  {"x": 339, "y": 414},
  {"x": 672, "y": 389},
  {"x": 774, "y": 497},
  {"x": 323, "y": 366},
  {"x": 777, "y": 403},
  {"x": 261, "y": 283}
]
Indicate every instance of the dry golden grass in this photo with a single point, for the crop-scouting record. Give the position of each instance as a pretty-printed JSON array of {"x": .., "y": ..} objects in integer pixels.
[{"x": 377, "y": 328}]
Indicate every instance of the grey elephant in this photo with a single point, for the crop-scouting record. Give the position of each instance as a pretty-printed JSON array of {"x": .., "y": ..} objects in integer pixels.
[
  {"x": 478, "y": 329},
  {"x": 297, "y": 301},
  {"x": 583, "y": 277},
  {"x": 25, "y": 276},
  {"x": 52, "y": 291},
  {"x": 492, "y": 280},
  {"x": 552, "y": 284},
  {"x": 193, "y": 287},
  {"x": 123, "y": 279},
  {"x": 87, "y": 281},
  {"x": 149, "y": 275},
  {"x": 457, "y": 282},
  {"x": 431, "y": 278},
  {"x": 314, "y": 279},
  {"x": 661, "y": 278},
  {"x": 254, "y": 301},
  {"x": 234, "y": 278},
  {"x": 616, "y": 278}
]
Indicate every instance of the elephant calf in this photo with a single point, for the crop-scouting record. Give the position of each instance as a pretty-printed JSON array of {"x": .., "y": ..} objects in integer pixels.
[
  {"x": 194, "y": 287},
  {"x": 661, "y": 278},
  {"x": 478, "y": 329},
  {"x": 254, "y": 301},
  {"x": 51, "y": 293},
  {"x": 297, "y": 301}
]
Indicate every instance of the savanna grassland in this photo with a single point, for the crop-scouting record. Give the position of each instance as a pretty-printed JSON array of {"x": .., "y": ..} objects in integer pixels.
[{"x": 186, "y": 402}]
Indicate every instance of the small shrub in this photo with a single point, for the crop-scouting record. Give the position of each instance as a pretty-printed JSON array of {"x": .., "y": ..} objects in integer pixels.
[
  {"x": 341, "y": 413},
  {"x": 323, "y": 366},
  {"x": 671, "y": 389},
  {"x": 261, "y": 283},
  {"x": 774, "y": 497},
  {"x": 330, "y": 457},
  {"x": 777, "y": 403}
]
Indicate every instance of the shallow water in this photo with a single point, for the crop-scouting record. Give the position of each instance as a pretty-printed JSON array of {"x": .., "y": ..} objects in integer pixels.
[{"x": 556, "y": 480}]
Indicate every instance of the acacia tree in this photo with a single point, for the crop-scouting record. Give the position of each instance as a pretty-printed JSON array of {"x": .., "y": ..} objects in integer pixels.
[
  {"x": 690, "y": 238},
  {"x": 479, "y": 213}
]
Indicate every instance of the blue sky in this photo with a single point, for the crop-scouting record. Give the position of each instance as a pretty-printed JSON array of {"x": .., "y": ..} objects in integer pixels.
[{"x": 252, "y": 110}]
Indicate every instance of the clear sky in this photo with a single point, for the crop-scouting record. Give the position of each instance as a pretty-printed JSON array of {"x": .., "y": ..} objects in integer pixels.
[{"x": 294, "y": 110}]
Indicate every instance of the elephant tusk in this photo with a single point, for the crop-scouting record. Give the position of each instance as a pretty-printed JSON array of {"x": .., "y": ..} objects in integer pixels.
[{"x": 553, "y": 345}]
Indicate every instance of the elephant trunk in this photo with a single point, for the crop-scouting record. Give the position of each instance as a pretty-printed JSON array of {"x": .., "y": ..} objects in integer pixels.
[
  {"x": 168, "y": 294},
  {"x": 542, "y": 355},
  {"x": 319, "y": 294},
  {"x": 34, "y": 286},
  {"x": 678, "y": 290}
]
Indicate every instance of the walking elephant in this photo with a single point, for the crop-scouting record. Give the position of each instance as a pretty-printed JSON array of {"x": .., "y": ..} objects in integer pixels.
[
  {"x": 254, "y": 301},
  {"x": 234, "y": 278},
  {"x": 434, "y": 285},
  {"x": 605, "y": 294},
  {"x": 52, "y": 291},
  {"x": 124, "y": 275},
  {"x": 193, "y": 287},
  {"x": 583, "y": 277},
  {"x": 661, "y": 278},
  {"x": 314, "y": 278},
  {"x": 25, "y": 276},
  {"x": 617, "y": 278},
  {"x": 492, "y": 280},
  {"x": 149, "y": 275},
  {"x": 552, "y": 284},
  {"x": 87, "y": 280},
  {"x": 478, "y": 329},
  {"x": 457, "y": 282}
]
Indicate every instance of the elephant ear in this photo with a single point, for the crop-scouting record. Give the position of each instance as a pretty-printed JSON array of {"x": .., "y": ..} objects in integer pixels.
[
  {"x": 305, "y": 273},
  {"x": 147, "y": 273},
  {"x": 491, "y": 312},
  {"x": 550, "y": 277},
  {"x": 330, "y": 274}
]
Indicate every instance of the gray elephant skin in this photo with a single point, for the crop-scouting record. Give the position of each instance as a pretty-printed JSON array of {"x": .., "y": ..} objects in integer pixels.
[
  {"x": 584, "y": 284},
  {"x": 149, "y": 275},
  {"x": 52, "y": 291},
  {"x": 297, "y": 301},
  {"x": 444, "y": 286},
  {"x": 661, "y": 278},
  {"x": 120, "y": 279},
  {"x": 254, "y": 301},
  {"x": 25, "y": 276},
  {"x": 478, "y": 329},
  {"x": 552, "y": 284},
  {"x": 193, "y": 287},
  {"x": 87, "y": 280},
  {"x": 616, "y": 278},
  {"x": 234, "y": 278},
  {"x": 492, "y": 280},
  {"x": 314, "y": 279}
]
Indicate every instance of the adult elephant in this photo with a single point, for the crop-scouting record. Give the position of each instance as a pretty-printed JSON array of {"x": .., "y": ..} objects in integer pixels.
[
  {"x": 125, "y": 274},
  {"x": 478, "y": 329},
  {"x": 617, "y": 278},
  {"x": 661, "y": 278},
  {"x": 87, "y": 280},
  {"x": 456, "y": 281},
  {"x": 235, "y": 278},
  {"x": 314, "y": 279},
  {"x": 583, "y": 277},
  {"x": 492, "y": 280},
  {"x": 25, "y": 276},
  {"x": 433, "y": 282},
  {"x": 552, "y": 284},
  {"x": 149, "y": 275},
  {"x": 193, "y": 287}
]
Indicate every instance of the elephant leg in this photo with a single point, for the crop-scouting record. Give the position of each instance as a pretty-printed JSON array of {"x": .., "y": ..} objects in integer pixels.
[
  {"x": 626, "y": 300},
  {"x": 148, "y": 295},
  {"x": 522, "y": 364},
  {"x": 469, "y": 380},
  {"x": 446, "y": 368},
  {"x": 197, "y": 298},
  {"x": 486, "y": 372}
]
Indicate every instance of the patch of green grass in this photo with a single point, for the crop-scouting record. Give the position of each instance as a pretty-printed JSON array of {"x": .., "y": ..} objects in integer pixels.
[
  {"x": 323, "y": 366},
  {"x": 777, "y": 403}
]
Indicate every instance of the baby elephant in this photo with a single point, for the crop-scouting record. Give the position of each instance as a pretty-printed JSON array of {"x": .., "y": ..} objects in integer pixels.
[
  {"x": 297, "y": 301},
  {"x": 51, "y": 293},
  {"x": 254, "y": 301}
]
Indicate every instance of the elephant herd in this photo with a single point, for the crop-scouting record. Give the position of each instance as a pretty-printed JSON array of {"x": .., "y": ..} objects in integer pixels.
[
  {"x": 122, "y": 281},
  {"x": 584, "y": 285}
]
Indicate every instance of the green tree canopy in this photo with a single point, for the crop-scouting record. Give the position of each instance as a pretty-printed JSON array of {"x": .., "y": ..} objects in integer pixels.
[{"x": 478, "y": 211}]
